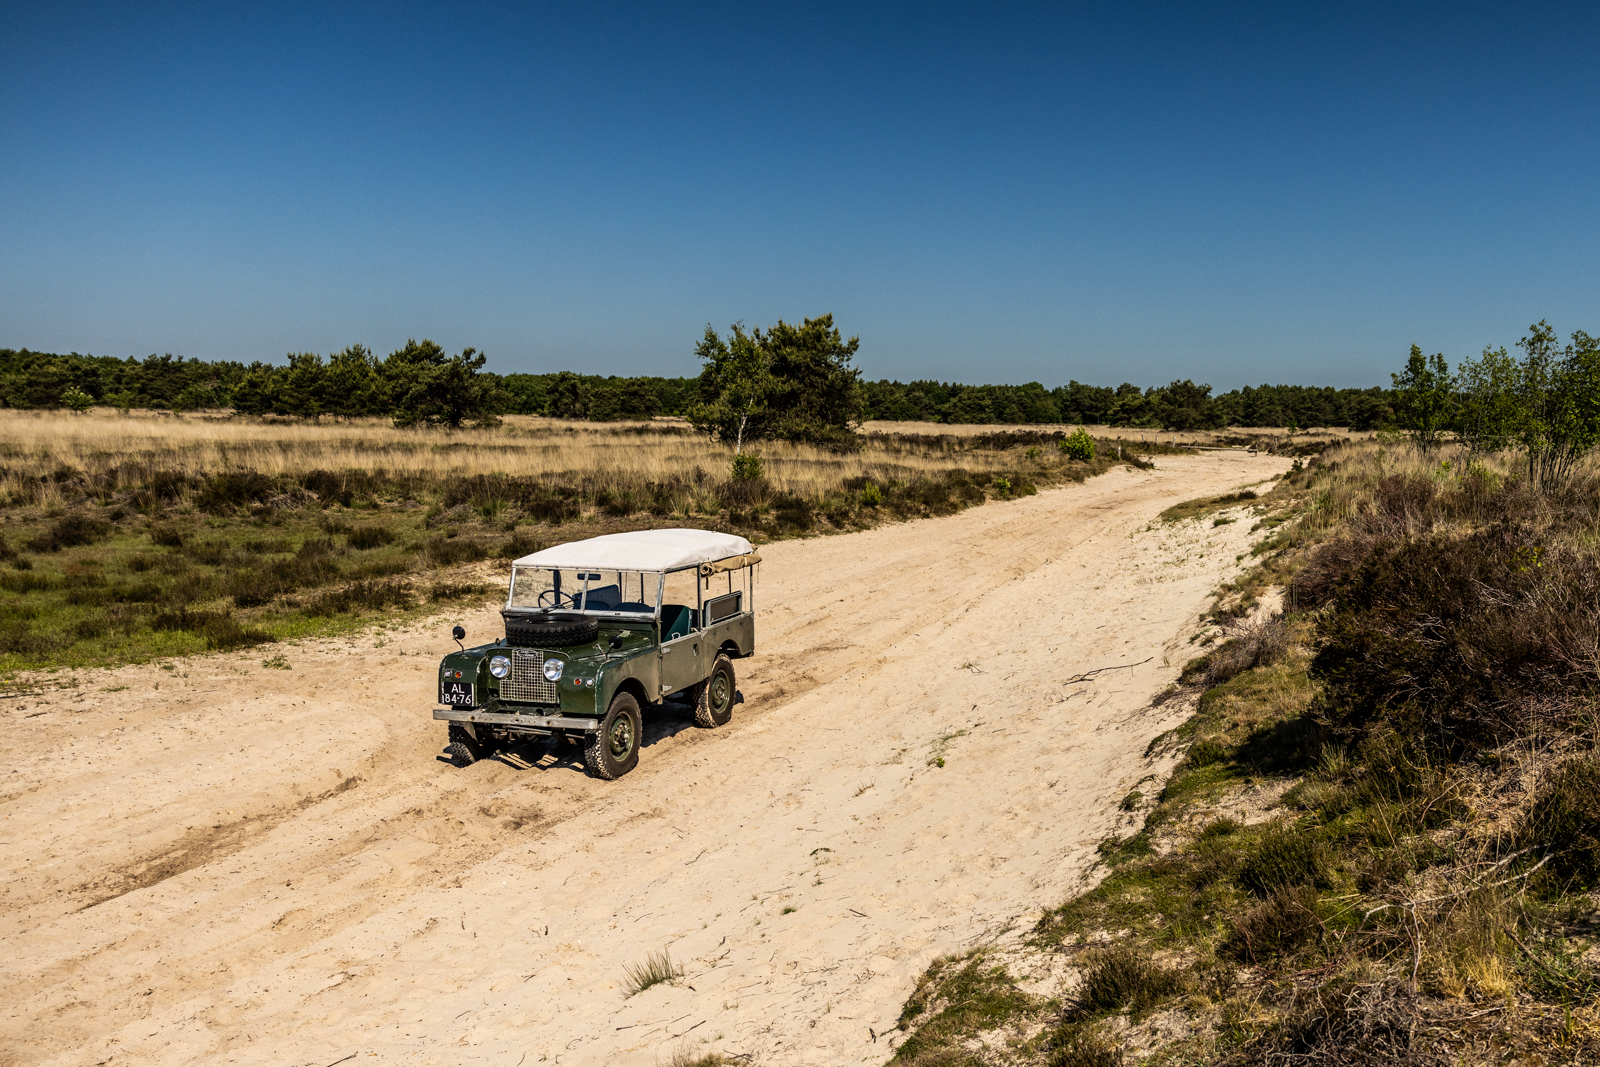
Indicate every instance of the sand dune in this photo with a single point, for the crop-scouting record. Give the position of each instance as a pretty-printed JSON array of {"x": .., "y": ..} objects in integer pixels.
[{"x": 224, "y": 863}]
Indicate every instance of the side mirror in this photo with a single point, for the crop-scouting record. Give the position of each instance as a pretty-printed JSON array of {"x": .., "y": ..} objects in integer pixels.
[{"x": 458, "y": 633}]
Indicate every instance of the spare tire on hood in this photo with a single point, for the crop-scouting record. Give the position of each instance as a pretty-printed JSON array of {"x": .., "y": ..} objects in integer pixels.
[{"x": 550, "y": 631}]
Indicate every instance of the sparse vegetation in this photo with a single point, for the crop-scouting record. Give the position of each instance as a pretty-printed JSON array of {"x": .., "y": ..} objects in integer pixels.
[
  {"x": 132, "y": 537},
  {"x": 656, "y": 969},
  {"x": 1413, "y": 882}
]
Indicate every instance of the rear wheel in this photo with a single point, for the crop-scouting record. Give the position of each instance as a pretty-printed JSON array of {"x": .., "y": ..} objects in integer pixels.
[
  {"x": 716, "y": 694},
  {"x": 613, "y": 750}
]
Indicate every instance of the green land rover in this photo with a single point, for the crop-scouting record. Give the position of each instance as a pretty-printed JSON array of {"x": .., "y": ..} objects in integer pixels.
[{"x": 598, "y": 630}]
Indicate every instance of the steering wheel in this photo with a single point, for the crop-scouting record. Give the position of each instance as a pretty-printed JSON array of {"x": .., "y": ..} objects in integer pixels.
[{"x": 551, "y": 598}]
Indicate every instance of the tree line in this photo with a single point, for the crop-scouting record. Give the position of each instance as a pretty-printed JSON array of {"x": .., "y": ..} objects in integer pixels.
[{"x": 791, "y": 381}]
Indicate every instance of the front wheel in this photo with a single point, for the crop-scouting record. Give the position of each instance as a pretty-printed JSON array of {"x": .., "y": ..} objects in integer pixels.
[
  {"x": 613, "y": 750},
  {"x": 464, "y": 749},
  {"x": 716, "y": 694}
]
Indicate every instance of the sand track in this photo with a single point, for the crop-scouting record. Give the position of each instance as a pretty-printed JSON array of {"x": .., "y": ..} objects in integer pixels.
[{"x": 226, "y": 863}]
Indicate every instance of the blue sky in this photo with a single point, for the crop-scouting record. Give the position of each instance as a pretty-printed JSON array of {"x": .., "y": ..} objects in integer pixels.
[{"x": 985, "y": 193}]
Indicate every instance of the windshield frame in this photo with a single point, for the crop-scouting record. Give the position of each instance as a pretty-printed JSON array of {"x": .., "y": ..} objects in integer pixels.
[{"x": 587, "y": 575}]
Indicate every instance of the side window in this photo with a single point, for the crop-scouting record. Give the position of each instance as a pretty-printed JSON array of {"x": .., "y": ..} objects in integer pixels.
[
  {"x": 721, "y": 596},
  {"x": 680, "y": 604}
]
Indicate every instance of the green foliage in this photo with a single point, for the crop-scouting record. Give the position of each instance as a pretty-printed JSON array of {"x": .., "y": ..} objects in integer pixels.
[
  {"x": 428, "y": 387},
  {"x": 1285, "y": 857},
  {"x": 1425, "y": 399},
  {"x": 954, "y": 997},
  {"x": 1559, "y": 393},
  {"x": 1078, "y": 445},
  {"x": 871, "y": 495},
  {"x": 76, "y": 398},
  {"x": 746, "y": 467},
  {"x": 789, "y": 382}
]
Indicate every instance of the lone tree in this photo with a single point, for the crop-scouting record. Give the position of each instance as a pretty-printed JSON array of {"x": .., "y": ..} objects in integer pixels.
[
  {"x": 794, "y": 383},
  {"x": 428, "y": 387},
  {"x": 1425, "y": 399}
]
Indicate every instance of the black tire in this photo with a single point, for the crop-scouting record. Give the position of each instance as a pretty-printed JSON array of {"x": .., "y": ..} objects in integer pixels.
[
  {"x": 613, "y": 750},
  {"x": 464, "y": 749},
  {"x": 559, "y": 632},
  {"x": 714, "y": 697}
]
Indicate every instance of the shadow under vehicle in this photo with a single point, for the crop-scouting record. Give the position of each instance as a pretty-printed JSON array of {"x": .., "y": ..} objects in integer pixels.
[{"x": 598, "y": 630}]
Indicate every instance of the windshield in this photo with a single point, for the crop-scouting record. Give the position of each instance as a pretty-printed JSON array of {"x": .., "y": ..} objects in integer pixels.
[{"x": 592, "y": 592}]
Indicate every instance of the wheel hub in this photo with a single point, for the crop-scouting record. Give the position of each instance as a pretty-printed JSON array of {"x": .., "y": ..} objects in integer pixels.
[{"x": 621, "y": 737}]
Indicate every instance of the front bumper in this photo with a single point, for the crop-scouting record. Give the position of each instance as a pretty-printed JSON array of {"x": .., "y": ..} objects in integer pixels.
[{"x": 534, "y": 723}]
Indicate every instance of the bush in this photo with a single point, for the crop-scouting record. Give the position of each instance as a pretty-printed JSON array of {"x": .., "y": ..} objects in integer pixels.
[
  {"x": 871, "y": 495},
  {"x": 220, "y": 629},
  {"x": 70, "y": 531},
  {"x": 234, "y": 489},
  {"x": 167, "y": 536},
  {"x": 1255, "y": 645},
  {"x": 357, "y": 596},
  {"x": 365, "y": 537},
  {"x": 1564, "y": 823},
  {"x": 1283, "y": 922},
  {"x": 1459, "y": 641},
  {"x": 746, "y": 467},
  {"x": 1285, "y": 857},
  {"x": 1122, "y": 977},
  {"x": 1078, "y": 445},
  {"x": 1083, "y": 1048}
]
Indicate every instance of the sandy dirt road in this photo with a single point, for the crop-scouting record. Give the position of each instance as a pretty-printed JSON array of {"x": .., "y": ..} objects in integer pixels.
[{"x": 215, "y": 862}]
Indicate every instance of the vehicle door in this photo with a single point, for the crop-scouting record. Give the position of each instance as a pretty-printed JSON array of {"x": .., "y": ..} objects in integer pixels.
[{"x": 682, "y": 637}]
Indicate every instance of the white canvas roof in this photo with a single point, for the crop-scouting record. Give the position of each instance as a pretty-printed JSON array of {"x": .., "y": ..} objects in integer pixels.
[{"x": 644, "y": 550}]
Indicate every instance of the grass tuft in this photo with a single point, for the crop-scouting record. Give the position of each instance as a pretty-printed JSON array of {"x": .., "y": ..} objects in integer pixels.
[{"x": 656, "y": 969}]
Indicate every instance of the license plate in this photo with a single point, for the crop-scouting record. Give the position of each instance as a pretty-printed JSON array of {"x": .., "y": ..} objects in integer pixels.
[{"x": 457, "y": 694}]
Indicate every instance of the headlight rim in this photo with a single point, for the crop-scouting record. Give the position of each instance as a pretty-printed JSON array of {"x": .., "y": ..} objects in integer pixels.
[
  {"x": 499, "y": 666},
  {"x": 552, "y": 669}
]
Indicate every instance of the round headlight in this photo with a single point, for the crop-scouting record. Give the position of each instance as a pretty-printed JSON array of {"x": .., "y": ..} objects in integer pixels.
[
  {"x": 553, "y": 669},
  {"x": 499, "y": 666}
]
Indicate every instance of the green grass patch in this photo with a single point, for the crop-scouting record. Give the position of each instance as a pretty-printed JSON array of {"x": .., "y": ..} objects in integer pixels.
[
  {"x": 957, "y": 997},
  {"x": 1197, "y": 509}
]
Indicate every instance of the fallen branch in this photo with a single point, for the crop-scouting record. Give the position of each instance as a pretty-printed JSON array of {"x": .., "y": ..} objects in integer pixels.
[{"x": 1084, "y": 677}]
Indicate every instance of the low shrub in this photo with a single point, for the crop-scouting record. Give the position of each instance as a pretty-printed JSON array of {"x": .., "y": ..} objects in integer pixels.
[
  {"x": 1286, "y": 856},
  {"x": 1254, "y": 644},
  {"x": 1122, "y": 977},
  {"x": 1564, "y": 824},
  {"x": 167, "y": 536},
  {"x": 746, "y": 466},
  {"x": 70, "y": 531},
  {"x": 1284, "y": 922},
  {"x": 231, "y": 490},
  {"x": 1082, "y": 1047},
  {"x": 220, "y": 629},
  {"x": 359, "y": 596},
  {"x": 368, "y": 537},
  {"x": 1078, "y": 445}
]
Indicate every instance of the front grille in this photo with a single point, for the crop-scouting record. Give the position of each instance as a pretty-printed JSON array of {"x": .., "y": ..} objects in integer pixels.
[{"x": 527, "y": 682}]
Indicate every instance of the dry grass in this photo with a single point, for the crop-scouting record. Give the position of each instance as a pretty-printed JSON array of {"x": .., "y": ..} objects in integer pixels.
[
  {"x": 128, "y": 536},
  {"x": 122, "y": 451}
]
